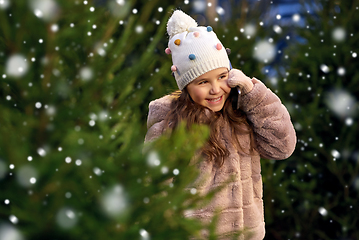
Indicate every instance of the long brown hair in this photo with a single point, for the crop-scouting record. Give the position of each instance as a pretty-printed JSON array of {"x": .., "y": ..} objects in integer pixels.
[{"x": 183, "y": 108}]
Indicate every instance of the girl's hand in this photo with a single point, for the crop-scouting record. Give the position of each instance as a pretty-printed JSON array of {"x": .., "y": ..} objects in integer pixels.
[{"x": 238, "y": 79}]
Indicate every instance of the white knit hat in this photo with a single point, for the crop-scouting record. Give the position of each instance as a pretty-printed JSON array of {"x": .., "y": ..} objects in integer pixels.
[{"x": 195, "y": 50}]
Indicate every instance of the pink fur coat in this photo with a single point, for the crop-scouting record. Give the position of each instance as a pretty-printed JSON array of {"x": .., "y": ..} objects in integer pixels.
[{"x": 239, "y": 203}]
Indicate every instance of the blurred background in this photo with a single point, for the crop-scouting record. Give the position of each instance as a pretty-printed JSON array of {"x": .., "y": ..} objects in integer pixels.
[{"x": 76, "y": 78}]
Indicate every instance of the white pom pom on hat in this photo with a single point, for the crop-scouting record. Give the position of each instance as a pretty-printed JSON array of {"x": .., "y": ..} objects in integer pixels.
[
  {"x": 195, "y": 50},
  {"x": 179, "y": 22}
]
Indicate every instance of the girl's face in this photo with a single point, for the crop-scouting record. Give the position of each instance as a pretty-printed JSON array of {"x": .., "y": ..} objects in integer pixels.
[{"x": 210, "y": 89}]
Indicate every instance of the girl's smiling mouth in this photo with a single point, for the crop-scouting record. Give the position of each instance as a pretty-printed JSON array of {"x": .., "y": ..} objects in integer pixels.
[{"x": 214, "y": 100}]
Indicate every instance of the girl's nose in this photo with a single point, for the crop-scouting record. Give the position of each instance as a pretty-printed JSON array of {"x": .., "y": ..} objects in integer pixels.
[{"x": 215, "y": 88}]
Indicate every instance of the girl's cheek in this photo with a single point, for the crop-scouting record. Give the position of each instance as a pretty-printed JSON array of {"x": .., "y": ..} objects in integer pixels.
[{"x": 226, "y": 85}]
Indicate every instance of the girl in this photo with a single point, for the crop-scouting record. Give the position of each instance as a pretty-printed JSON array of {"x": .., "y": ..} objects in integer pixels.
[{"x": 246, "y": 119}]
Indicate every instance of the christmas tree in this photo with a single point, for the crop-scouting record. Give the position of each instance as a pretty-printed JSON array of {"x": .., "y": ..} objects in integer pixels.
[
  {"x": 76, "y": 79},
  {"x": 313, "y": 195}
]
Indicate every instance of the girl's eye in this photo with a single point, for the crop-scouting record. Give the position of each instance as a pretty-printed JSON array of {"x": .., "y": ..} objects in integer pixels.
[
  {"x": 223, "y": 76},
  {"x": 202, "y": 82}
]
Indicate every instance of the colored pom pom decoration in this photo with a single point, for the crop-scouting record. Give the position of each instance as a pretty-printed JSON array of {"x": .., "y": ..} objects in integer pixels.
[
  {"x": 177, "y": 42},
  {"x": 209, "y": 29},
  {"x": 219, "y": 46},
  {"x": 228, "y": 51},
  {"x": 196, "y": 34},
  {"x": 173, "y": 68},
  {"x": 168, "y": 51},
  {"x": 192, "y": 57}
]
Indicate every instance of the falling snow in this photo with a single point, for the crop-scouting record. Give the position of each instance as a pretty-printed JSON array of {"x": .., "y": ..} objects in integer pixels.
[
  {"x": 68, "y": 195},
  {"x": 339, "y": 34},
  {"x": 66, "y": 218},
  {"x": 153, "y": 159},
  {"x": 264, "y": 51},
  {"x": 164, "y": 170},
  {"x": 335, "y": 153},
  {"x": 296, "y": 17},
  {"x": 341, "y": 71},
  {"x": 341, "y": 102},
  {"x": 16, "y": 66},
  {"x": 45, "y": 9},
  {"x": 323, "y": 211},
  {"x": 38, "y": 105},
  {"x": 324, "y": 68},
  {"x": 78, "y": 162},
  {"x": 54, "y": 27},
  {"x": 92, "y": 123},
  {"x": 249, "y": 30},
  {"x": 41, "y": 152},
  {"x": 50, "y": 110},
  {"x": 144, "y": 234},
  {"x": 199, "y": 6},
  {"x": 26, "y": 175},
  {"x": 97, "y": 171},
  {"x": 114, "y": 201},
  {"x": 4, "y": 4},
  {"x": 86, "y": 73},
  {"x": 277, "y": 29},
  {"x": 139, "y": 29},
  {"x": 220, "y": 10},
  {"x": 9, "y": 232}
]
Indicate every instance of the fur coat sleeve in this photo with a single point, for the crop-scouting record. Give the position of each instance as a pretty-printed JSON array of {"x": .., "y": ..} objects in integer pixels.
[
  {"x": 273, "y": 130},
  {"x": 158, "y": 110}
]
